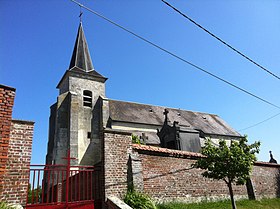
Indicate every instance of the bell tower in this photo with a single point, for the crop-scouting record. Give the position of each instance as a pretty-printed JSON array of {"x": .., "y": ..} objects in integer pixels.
[{"x": 71, "y": 120}]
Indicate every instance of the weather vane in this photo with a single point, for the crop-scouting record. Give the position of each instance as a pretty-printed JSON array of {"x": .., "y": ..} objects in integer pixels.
[{"x": 81, "y": 13}]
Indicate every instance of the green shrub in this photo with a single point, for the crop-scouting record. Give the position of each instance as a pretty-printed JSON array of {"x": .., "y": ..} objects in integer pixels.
[
  {"x": 136, "y": 140},
  {"x": 138, "y": 200},
  {"x": 4, "y": 205},
  {"x": 37, "y": 193}
]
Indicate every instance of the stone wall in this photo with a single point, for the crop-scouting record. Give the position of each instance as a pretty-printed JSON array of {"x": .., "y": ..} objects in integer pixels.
[
  {"x": 7, "y": 95},
  {"x": 16, "y": 178},
  {"x": 75, "y": 123},
  {"x": 116, "y": 203}
]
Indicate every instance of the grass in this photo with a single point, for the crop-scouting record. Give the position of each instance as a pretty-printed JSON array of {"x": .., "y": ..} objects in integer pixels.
[{"x": 242, "y": 204}]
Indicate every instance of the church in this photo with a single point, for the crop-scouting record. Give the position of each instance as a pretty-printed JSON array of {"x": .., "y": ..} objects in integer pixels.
[{"x": 82, "y": 111}]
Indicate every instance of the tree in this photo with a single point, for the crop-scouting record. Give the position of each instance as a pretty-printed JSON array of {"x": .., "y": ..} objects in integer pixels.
[
  {"x": 232, "y": 164},
  {"x": 36, "y": 194}
]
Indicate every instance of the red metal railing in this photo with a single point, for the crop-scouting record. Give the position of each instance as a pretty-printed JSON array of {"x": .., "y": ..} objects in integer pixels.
[{"x": 62, "y": 185}]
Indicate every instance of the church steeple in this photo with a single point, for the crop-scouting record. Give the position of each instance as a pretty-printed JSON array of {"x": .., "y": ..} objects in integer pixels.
[
  {"x": 81, "y": 56},
  {"x": 71, "y": 121},
  {"x": 80, "y": 64}
]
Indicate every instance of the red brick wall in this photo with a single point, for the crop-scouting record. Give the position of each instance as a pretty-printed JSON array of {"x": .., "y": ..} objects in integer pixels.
[
  {"x": 16, "y": 178},
  {"x": 266, "y": 180},
  {"x": 170, "y": 177},
  {"x": 167, "y": 175},
  {"x": 15, "y": 150},
  {"x": 7, "y": 95},
  {"x": 117, "y": 146}
]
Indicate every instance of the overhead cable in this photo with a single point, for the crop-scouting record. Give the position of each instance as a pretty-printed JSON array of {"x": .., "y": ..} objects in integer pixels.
[
  {"x": 256, "y": 124},
  {"x": 176, "y": 56},
  {"x": 222, "y": 41}
]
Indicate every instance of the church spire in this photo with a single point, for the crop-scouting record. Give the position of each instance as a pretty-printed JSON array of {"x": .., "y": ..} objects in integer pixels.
[{"x": 81, "y": 56}]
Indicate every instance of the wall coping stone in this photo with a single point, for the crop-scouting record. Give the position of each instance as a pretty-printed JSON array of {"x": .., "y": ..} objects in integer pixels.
[
  {"x": 260, "y": 163},
  {"x": 164, "y": 151},
  {"x": 116, "y": 131},
  {"x": 23, "y": 121},
  {"x": 7, "y": 87},
  {"x": 117, "y": 203}
]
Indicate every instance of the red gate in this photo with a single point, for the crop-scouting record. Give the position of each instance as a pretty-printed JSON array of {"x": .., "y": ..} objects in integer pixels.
[{"x": 64, "y": 186}]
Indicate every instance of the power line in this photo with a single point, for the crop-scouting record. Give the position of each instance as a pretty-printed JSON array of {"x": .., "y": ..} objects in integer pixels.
[
  {"x": 222, "y": 41},
  {"x": 193, "y": 65},
  {"x": 176, "y": 56},
  {"x": 259, "y": 122}
]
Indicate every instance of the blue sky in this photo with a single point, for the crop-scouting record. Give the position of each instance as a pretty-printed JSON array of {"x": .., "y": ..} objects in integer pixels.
[{"x": 37, "y": 39}]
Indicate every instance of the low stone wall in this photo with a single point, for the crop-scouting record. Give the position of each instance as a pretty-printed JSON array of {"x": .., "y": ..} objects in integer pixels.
[{"x": 116, "y": 203}]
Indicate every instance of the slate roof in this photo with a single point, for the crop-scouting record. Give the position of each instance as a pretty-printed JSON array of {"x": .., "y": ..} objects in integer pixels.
[
  {"x": 81, "y": 64},
  {"x": 153, "y": 115},
  {"x": 81, "y": 56}
]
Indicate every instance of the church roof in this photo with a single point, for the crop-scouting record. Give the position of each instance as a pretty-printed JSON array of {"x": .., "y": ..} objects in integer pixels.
[
  {"x": 153, "y": 115},
  {"x": 81, "y": 56},
  {"x": 81, "y": 64}
]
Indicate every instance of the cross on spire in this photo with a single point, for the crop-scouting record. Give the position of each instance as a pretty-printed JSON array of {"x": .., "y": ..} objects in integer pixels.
[{"x": 81, "y": 13}]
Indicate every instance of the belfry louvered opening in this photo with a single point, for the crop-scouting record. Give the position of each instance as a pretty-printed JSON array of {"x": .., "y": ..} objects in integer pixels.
[{"x": 87, "y": 98}]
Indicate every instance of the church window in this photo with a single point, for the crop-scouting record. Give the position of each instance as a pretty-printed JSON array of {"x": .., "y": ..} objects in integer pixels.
[{"x": 87, "y": 98}]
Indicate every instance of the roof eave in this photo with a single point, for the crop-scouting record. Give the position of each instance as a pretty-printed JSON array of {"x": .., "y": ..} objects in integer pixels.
[{"x": 85, "y": 75}]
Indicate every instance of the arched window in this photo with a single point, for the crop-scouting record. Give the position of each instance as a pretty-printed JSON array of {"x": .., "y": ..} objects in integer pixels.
[{"x": 87, "y": 98}]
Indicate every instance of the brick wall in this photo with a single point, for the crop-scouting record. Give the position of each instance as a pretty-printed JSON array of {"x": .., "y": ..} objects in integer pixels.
[
  {"x": 117, "y": 146},
  {"x": 7, "y": 95},
  {"x": 266, "y": 180},
  {"x": 168, "y": 175},
  {"x": 16, "y": 178},
  {"x": 15, "y": 150}
]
